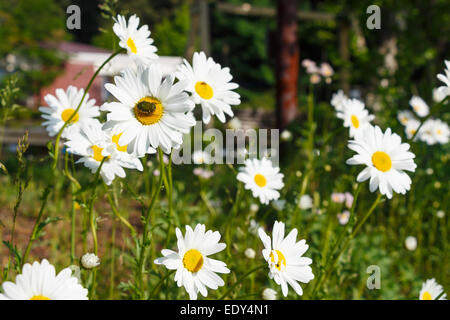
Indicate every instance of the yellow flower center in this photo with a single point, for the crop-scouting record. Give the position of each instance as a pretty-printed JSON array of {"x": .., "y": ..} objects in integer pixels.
[
  {"x": 98, "y": 153},
  {"x": 260, "y": 180},
  {"x": 439, "y": 131},
  {"x": 66, "y": 114},
  {"x": 281, "y": 259},
  {"x": 193, "y": 260},
  {"x": 426, "y": 296},
  {"x": 131, "y": 45},
  {"x": 204, "y": 90},
  {"x": 115, "y": 139},
  {"x": 355, "y": 121},
  {"x": 148, "y": 110},
  {"x": 39, "y": 297},
  {"x": 382, "y": 161},
  {"x": 416, "y": 108}
]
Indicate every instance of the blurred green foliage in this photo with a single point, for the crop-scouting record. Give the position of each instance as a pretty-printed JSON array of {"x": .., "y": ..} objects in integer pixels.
[{"x": 24, "y": 26}]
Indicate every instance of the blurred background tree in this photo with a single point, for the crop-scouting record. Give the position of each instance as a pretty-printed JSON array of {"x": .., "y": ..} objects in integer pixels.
[{"x": 24, "y": 26}]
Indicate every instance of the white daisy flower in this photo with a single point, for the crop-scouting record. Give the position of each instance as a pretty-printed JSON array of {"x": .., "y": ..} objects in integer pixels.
[
  {"x": 201, "y": 157},
  {"x": 194, "y": 270},
  {"x": 343, "y": 217},
  {"x": 411, "y": 128},
  {"x": 284, "y": 256},
  {"x": 210, "y": 86},
  {"x": 338, "y": 197},
  {"x": 355, "y": 116},
  {"x": 93, "y": 145},
  {"x": 61, "y": 108},
  {"x": 427, "y": 132},
  {"x": 326, "y": 70},
  {"x": 337, "y": 99},
  {"x": 151, "y": 112},
  {"x": 311, "y": 66},
  {"x": 441, "y": 131},
  {"x": 136, "y": 41},
  {"x": 431, "y": 290},
  {"x": 305, "y": 202},
  {"x": 39, "y": 281},
  {"x": 444, "y": 91},
  {"x": 262, "y": 179},
  {"x": 439, "y": 95},
  {"x": 405, "y": 116},
  {"x": 386, "y": 159},
  {"x": 419, "y": 106}
]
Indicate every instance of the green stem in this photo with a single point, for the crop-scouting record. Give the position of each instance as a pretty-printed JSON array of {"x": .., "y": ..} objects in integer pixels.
[
  {"x": 117, "y": 214},
  {"x": 145, "y": 234},
  {"x": 330, "y": 266},
  {"x": 160, "y": 282},
  {"x": 240, "y": 280},
  {"x": 36, "y": 226},
  {"x": 91, "y": 215},
  {"x": 66, "y": 123},
  {"x": 234, "y": 211}
]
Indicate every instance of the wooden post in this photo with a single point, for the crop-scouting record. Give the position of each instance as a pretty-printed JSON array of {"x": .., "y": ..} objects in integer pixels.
[
  {"x": 344, "y": 44},
  {"x": 192, "y": 36},
  {"x": 204, "y": 27},
  {"x": 287, "y": 63}
]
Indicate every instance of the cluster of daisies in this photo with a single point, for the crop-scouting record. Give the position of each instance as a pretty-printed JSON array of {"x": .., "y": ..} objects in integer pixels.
[
  {"x": 317, "y": 72},
  {"x": 433, "y": 131},
  {"x": 384, "y": 155},
  {"x": 151, "y": 110}
]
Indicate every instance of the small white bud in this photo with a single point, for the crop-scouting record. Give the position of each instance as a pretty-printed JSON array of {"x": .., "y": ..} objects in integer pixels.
[
  {"x": 411, "y": 243},
  {"x": 250, "y": 253},
  {"x": 269, "y": 294},
  {"x": 89, "y": 261}
]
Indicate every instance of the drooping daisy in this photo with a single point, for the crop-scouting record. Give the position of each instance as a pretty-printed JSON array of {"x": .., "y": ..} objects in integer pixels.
[
  {"x": 151, "y": 112},
  {"x": 431, "y": 290},
  {"x": 444, "y": 91},
  {"x": 419, "y": 106},
  {"x": 405, "y": 116},
  {"x": 355, "y": 116},
  {"x": 262, "y": 179},
  {"x": 284, "y": 257},
  {"x": 94, "y": 145},
  {"x": 386, "y": 159},
  {"x": 337, "y": 99},
  {"x": 61, "y": 108},
  {"x": 40, "y": 282},
  {"x": 194, "y": 269},
  {"x": 136, "y": 41},
  {"x": 210, "y": 86}
]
